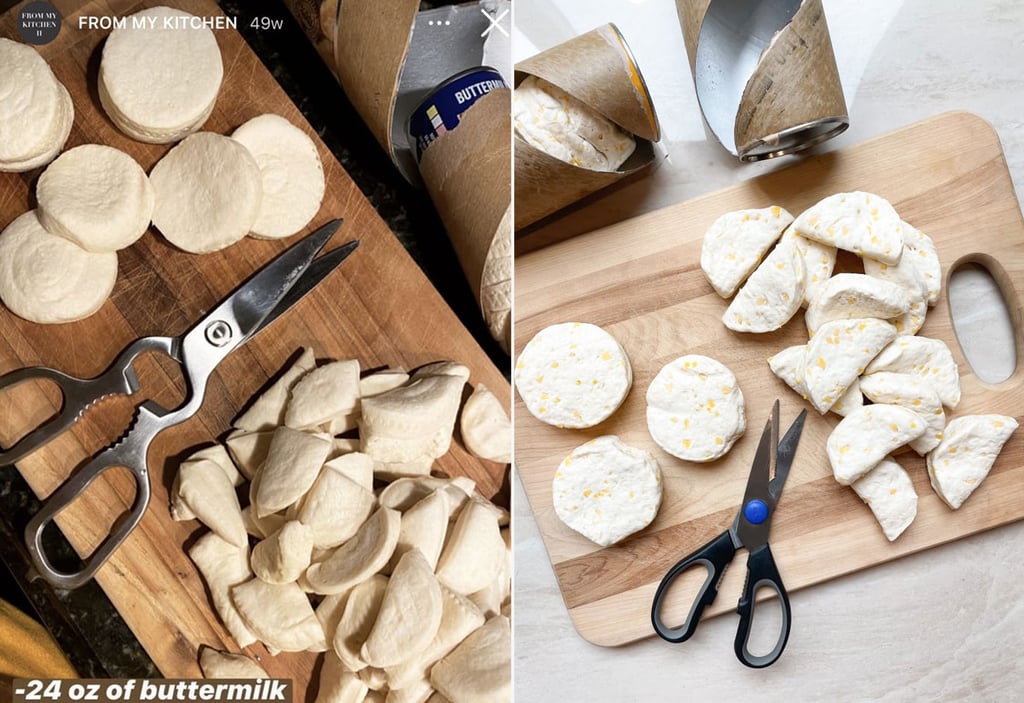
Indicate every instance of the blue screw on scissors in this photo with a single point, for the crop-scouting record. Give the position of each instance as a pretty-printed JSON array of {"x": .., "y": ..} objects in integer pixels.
[{"x": 749, "y": 529}]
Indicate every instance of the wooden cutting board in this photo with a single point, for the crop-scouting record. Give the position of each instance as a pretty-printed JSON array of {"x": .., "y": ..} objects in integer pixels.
[
  {"x": 641, "y": 280},
  {"x": 378, "y": 307}
]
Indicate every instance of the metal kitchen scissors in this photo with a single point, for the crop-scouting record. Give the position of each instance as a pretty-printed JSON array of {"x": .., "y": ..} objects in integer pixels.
[
  {"x": 267, "y": 295},
  {"x": 750, "y": 530}
]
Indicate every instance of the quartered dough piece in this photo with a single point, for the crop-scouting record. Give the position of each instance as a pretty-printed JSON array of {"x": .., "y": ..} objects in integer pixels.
[
  {"x": 735, "y": 243},
  {"x": 404, "y": 493},
  {"x": 336, "y": 507},
  {"x": 360, "y": 557},
  {"x": 47, "y": 279},
  {"x": 338, "y": 684},
  {"x": 606, "y": 490},
  {"x": 838, "y": 353},
  {"x": 381, "y": 382},
  {"x": 474, "y": 551},
  {"x": 921, "y": 253},
  {"x": 480, "y": 669},
  {"x": 969, "y": 447},
  {"x": 930, "y": 359},
  {"x": 573, "y": 375},
  {"x": 223, "y": 566},
  {"x": 424, "y": 527},
  {"x": 293, "y": 464},
  {"x": 285, "y": 554},
  {"x": 249, "y": 450},
  {"x": 889, "y": 492},
  {"x": 355, "y": 466},
  {"x": 210, "y": 495},
  {"x": 863, "y": 223},
  {"x": 772, "y": 294},
  {"x": 905, "y": 274},
  {"x": 412, "y": 423},
  {"x": 356, "y": 622},
  {"x": 695, "y": 410},
  {"x": 324, "y": 393},
  {"x": 912, "y": 392},
  {"x": 219, "y": 459},
  {"x": 293, "y": 177},
  {"x": 485, "y": 427},
  {"x": 279, "y": 614},
  {"x": 818, "y": 262},
  {"x": 267, "y": 411},
  {"x": 225, "y": 665},
  {"x": 208, "y": 193},
  {"x": 855, "y": 295},
  {"x": 409, "y": 615},
  {"x": 864, "y": 437}
]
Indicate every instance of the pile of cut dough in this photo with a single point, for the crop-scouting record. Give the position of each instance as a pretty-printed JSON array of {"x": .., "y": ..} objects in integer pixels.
[
  {"x": 36, "y": 112},
  {"x": 160, "y": 75},
  {"x": 403, "y": 579}
]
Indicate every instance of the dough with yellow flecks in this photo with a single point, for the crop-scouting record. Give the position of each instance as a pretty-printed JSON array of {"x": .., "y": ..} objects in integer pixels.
[
  {"x": 838, "y": 353},
  {"x": 912, "y": 392},
  {"x": 850, "y": 295},
  {"x": 889, "y": 492},
  {"x": 573, "y": 374},
  {"x": 907, "y": 275},
  {"x": 930, "y": 359},
  {"x": 819, "y": 260},
  {"x": 969, "y": 447},
  {"x": 735, "y": 243},
  {"x": 772, "y": 294},
  {"x": 865, "y": 436},
  {"x": 863, "y": 223}
]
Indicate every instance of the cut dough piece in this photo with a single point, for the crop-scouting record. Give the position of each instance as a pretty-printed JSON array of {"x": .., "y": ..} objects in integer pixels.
[
  {"x": 480, "y": 669},
  {"x": 864, "y": 437},
  {"x": 404, "y": 493},
  {"x": 411, "y": 423},
  {"x": 279, "y": 614},
  {"x": 573, "y": 375},
  {"x": 47, "y": 279},
  {"x": 788, "y": 365},
  {"x": 417, "y": 691},
  {"x": 293, "y": 464},
  {"x": 855, "y": 295},
  {"x": 863, "y": 223},
  {"x": 921, "y": 253},
  {"x": 360, "y": 557},
  {"x": 214, "y": 453},
  {"x": 424, "y": 527},
  {"x": 606, "y": 490},
  {"x": 267, "y": 412},
  {"x": 909, "y": 277},
  {"x": 912, "y": 392},
  {"x": 695, "y": 410},
  {"x": 735, "y": 243},
  {"x": 284, "y": 555},
  {"x": 889, "y": 492},
  {"x": 208, "y": 193},
  {"x": 330, "y": 612},
  {"x": 223, "y": 565},
  {"x": 442, "y": 368},
  {"x": 225, "y": 665},
  {"x": 160, "y": 75},
  {"x": 355, "y": 466},
  {"x": 772, "y": 294},
  {"x": 356, "y": 622},
  {"x": 322, "y": 394},
  {"x": 930, "y": 359},
  {"x": 474, "y": 552},
  {"x": 249, "y": 450},
  {"x": 849, "y": 401},
  {"x": 409, "y": 614},
  {"x": 335, "y": 507},
  {"x": 486, "y": 429},
  {"x": 838, "y": 353},
  {"x": 338, "y": 684},
  {"x": 210, "y": 496},
  {"x": 562, "y": 126},
  {"x": 381, "y": 382},
  {"x": 293, "y": 177},
  {"x": 263, "y": 527},
  {"x": 97, "y": 197},
  {"x": 818, "y": 262},
  {"x": 969, "y": 447},
  {"x": 30, "y": 104}
]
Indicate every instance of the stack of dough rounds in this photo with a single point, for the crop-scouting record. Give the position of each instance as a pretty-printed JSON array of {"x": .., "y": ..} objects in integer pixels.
[
  {"x": 159, "y": 80},
  {"x": 97, "y": 197},
  {"x": 47, "y": 279},
  {"x": 208, "y": 193},
  {"x": 292, "y": 175},
  {"x": 36, "y": 111}
]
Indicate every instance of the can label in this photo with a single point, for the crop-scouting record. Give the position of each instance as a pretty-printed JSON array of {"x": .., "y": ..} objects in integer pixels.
[{"x": 441, "y": 110}]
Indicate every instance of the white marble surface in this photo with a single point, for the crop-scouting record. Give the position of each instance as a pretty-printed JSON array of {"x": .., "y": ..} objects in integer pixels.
[{"x": 945, "y": 624}]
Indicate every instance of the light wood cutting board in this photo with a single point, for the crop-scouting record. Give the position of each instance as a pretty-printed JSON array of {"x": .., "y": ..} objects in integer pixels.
[
  {"x": 378, "y": 307},
  {"x": 641, "y": 280}
]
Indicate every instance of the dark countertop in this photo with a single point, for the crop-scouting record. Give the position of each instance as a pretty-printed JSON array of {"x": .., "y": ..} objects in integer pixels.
[{"x": 84, "y": 622}]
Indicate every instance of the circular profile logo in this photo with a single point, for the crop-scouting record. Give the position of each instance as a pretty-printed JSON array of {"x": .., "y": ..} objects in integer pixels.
[{"x": 39, "y": 23}]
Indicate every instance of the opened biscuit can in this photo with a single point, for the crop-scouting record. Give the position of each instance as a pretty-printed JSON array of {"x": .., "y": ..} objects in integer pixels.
[{"x": 442, "y": 108}]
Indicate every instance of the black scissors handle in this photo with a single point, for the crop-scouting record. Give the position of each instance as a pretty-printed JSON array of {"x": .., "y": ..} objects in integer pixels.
[
  {"x": 761, "y": 573},
  {"x": 715, "y": 557}
]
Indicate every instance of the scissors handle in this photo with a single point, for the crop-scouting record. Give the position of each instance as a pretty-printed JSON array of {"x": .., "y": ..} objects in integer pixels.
[
  {"x": 761, "y": 573},
  {"x": 78, "y": 394},
  {"x": 130, "y": 453},
  {"x": 715, "y": 557}
]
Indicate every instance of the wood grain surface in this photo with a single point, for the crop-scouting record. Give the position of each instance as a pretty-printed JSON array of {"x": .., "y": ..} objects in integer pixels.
[
  {"x": 378, "y": 307},
  {"x": 641, "y": 280}
]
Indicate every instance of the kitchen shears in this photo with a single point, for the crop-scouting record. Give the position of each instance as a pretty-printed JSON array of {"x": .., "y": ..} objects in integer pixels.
[
  {"x": 750, "y": 530},
  {"x": 264, "y": 297}
]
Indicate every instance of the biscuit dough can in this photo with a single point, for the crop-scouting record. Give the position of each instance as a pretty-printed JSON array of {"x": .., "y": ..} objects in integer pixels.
[{"x": 441, "y": 109}]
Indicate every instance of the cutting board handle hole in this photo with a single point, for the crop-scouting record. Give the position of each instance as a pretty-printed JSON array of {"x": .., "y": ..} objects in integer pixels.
[{"x": 978, "y": 288}]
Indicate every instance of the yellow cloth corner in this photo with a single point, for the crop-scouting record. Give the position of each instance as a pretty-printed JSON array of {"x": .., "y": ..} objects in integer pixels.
[{"x": 27, "y": 651}]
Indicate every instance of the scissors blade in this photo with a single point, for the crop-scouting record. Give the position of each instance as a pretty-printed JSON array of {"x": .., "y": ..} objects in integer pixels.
[
  {"x": 745, "y": 532},
  {"x": 786, "y": 452}
]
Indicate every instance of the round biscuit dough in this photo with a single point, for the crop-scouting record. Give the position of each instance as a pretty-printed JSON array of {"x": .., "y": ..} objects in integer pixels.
[
  {"x": 695, "y": 410},
  {"x": 208, "y": 192},
  {"x": 293, "y": 177},
  {"x": 573, "y": 374},
  {"x": 56, "y": 136},
  {"x": 606, "y": 490},
  {"x": 96, "y": 196},
  {"x": 161, "y": 79},
  {"x": 29, "y": 102},
  {"x": 47, "y": 279}
]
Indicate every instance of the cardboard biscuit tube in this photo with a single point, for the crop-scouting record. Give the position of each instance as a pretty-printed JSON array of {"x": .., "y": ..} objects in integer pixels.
[{"x": 597, "y": 69}]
